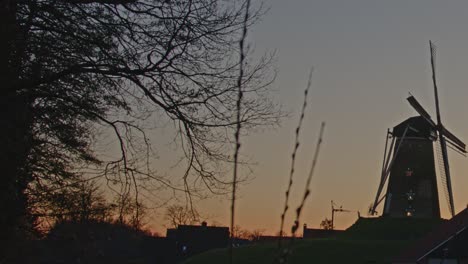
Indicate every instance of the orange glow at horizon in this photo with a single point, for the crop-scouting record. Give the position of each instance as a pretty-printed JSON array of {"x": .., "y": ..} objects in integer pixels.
[{"x": 367, "y": 56}]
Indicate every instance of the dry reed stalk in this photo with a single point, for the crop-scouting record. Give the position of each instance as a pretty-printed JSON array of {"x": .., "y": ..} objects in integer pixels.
[
  {"x": 293, "y": 157},
  {"x": 309, "y": 179},
  {"x": 238, "y": 124},
  {"x": 286, "y": 252}
]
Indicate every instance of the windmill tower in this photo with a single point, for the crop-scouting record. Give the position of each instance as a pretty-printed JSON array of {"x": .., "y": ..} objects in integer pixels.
[{"x": 410, "y": 163}]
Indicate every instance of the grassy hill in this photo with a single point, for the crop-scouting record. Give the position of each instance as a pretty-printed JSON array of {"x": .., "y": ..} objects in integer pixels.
[
  {"x": 310, "y": 251},
  {"x": 369, "y": 240},
  {"x": 390, "y": 228}
]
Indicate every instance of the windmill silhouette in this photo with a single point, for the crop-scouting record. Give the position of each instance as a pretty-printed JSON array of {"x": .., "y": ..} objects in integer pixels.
[{"x": 409, "y": 163}]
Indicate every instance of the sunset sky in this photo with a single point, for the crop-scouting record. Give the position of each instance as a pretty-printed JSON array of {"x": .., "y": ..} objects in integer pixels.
[{"x": 367, "y": 56}]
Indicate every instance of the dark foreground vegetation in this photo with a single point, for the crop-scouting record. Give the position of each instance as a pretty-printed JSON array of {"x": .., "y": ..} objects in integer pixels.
[
  {"x": 95, "y": 242},
  {"x": 98, "y": 241},
  {"x": 87, "y": 89},
  {"x": 311, "y": 251},
  {"x": 369, "y": 240}
]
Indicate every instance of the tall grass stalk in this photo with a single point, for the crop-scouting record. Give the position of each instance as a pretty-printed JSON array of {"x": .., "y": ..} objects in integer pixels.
[
  {"x": 286, "y": 252},
  {"x": 309, "y": 179},
  {"x": 238, "y": 124},
  {"x": 293, "y": 157}
]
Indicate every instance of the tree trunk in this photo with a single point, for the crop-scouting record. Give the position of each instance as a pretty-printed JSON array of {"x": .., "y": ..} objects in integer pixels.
[{"x": 15, "y": 132}]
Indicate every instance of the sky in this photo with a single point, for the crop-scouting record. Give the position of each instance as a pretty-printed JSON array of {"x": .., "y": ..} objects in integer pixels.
[{"x": 367, "y": 56}]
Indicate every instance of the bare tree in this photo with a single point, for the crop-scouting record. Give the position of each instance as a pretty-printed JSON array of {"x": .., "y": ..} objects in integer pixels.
[
  {"x": 239, "y": 232},
  {"x": 83, "y": 202},
  {"x": 73, "y": 67},
  {"x": 181, "y": 215},
  {"x": 256, "y": 234},
  {"x": 326, "y": 224},
  {"x": 253, "y": 235}
]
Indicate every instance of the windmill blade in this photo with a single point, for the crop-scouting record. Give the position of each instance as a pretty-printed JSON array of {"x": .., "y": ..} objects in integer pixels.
[
  {"x": 381, "y": 199},
  {"x": 442, "y": 134},
  {"x": 446, "y": 173},
  {"x": 383, "y": 179},
  {"x": 434, "y": 82},
  {"x": 389, "y": 153},
  {"x": 452, "y": 146},
  {"x": 455, "y": 141},
  {"x": 417, "y": 106},
  {"x": 388, "y": 167},
  {"x": 374, "y": 205}
]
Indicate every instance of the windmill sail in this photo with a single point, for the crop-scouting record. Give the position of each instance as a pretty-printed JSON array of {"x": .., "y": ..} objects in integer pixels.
[
  {"x": 448, "y": 181},
  {"x": 443, "y": 143},
  {"x": 452, "y": 139},
  {"x": 387, "y": 168},
  {"x": 382, "y": 175},
  {"x": 417, "y": 106},
  {"x": 443, "y": 176}
]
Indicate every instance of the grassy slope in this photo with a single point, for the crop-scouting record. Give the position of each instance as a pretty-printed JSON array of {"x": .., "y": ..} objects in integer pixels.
[
  {"x": 390, "y": 228},
  {"x": 311, "y": 251},
  {"x": 367, "y": 241}
]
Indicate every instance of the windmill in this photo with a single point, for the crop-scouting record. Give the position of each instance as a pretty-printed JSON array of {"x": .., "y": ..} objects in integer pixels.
[{"x": 409, "y": 163}]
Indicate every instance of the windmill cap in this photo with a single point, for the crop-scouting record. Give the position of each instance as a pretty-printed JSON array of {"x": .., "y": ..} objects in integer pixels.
[{"x": 417, "y": 127}]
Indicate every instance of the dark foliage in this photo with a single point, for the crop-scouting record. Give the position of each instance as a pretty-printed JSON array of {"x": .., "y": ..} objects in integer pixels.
[
  {"x": 71, "y": 68},
  {"x": 98, "y": 242}
]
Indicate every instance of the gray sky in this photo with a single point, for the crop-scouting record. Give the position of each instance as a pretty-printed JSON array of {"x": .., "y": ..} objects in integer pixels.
[{"x": 367, "y": 56}]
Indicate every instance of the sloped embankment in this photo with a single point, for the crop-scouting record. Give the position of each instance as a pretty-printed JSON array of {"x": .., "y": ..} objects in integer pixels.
[{"x": 369, "y": 240}]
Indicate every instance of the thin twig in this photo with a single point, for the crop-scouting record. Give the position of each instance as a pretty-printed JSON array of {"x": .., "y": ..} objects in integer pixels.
[
  {"x": 285, "y": 253},
  {"x": 309, "y": 178},
  {"x": 293, "y": 157},
  {"x": 238, "y": 124}
]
